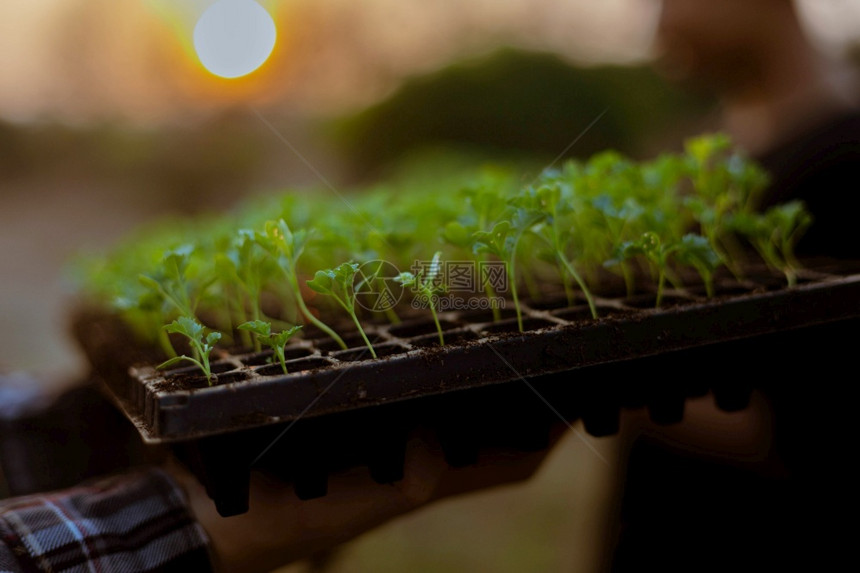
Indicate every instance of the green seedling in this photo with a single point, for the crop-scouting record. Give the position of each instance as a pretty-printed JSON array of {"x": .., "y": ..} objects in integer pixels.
[
  {"x": 276, "y": 341},
  {"x": 339, "y": 283},
  {"x": 503, "y": 241},
  {"x": 201, "y": 344},
  {"x": 649, "y": 246},
  {"x": 461, "y": 236},
  {"x": 429, "y": 286},
  {"x": 170, "y": 282},
  {"x": 693, "y": 250},
  {"x": 549, "y": 211},
  {"x": 699, "y": 253},
  {"x": 149, "y": 308},
  {"x": 250, "y": 266},
  {"x": 614, "y": 224},
  {"x": 774, "y": 235},
  {"x": 287, "y": 247}
]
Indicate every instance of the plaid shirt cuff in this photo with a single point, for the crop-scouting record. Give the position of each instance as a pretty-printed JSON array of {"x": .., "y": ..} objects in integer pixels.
[{"x": 131, "y": 522}]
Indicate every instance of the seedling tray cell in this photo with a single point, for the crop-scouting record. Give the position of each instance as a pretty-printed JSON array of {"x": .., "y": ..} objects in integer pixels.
[
  {"x": 490, "y": 383},
  {"x": 178, "y": 404}
]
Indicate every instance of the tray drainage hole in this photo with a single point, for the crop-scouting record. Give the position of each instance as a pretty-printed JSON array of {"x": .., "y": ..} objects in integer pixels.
[
  {"x": 293, "y": 367},
  {"x": 265, "y": 357},
  {"x": 382, "y": 350},
  {"x": 408, "y": 330},
  {"x": 511, "y": 326},
  {"x": 451, "y": 339}
]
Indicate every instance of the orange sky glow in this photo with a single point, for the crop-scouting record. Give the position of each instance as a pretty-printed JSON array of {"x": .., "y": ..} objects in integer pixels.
[{"x": 79, "y": 60}]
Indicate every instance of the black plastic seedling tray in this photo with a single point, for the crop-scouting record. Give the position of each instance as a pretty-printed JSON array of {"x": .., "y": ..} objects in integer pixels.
[{"x": 489, "y": 386}]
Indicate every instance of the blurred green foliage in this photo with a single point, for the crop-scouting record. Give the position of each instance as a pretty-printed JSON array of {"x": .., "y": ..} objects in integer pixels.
[{"x": 514, "y": 103}]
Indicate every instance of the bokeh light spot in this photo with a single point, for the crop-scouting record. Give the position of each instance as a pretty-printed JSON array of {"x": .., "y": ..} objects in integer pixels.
[{"x": 234, "y": 37}]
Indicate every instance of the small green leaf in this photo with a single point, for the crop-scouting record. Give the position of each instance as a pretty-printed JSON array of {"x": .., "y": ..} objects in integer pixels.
[
  {"x": 260, "y": 327},
  {"x": 494, "y": 241},
  {"x": 148, "y": 282},
  {"x": 457, "y": 234},
  {"x": 187, "y": 326},
  {"x": 323, "y": 282},
  {"x": 406, "y": 279},
  {"x": 697, "y": 251},
  {"x": 281, "y": 338}
]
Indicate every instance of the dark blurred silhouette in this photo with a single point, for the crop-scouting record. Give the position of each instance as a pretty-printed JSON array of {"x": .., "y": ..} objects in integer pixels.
[
  {"x": 514, "y": 103},
  {"x": 793, "y": 109},
  {"x": 772, "y": 492}
]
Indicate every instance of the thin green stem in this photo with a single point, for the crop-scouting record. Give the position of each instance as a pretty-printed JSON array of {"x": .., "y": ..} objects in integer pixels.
[
  {"x": 629, "y": 282},
  {"x": 568, "y": 290},
  {"x": 491, "y": 294},
  {"x": 279, "y": 352},
  {"x": 361, "y": 332},
  {"x": 391, "y": 315},
  {"x": 709, "y": 283},
  {"x": 165, "y": 344},
  {"x": 516, "y": 303},
  {"x": 255, "y": 315},
  {"x": 585, "y": 290},
  {"x": 513, "y": 278},
  {"x": 294, "y": 283},
  {"x": 661, "y": 283},
  {"x": 350, "y": 309},
  {"x": 436, "y": 320}
]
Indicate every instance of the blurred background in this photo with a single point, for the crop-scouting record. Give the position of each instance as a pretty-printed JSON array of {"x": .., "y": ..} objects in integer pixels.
[{"x": 109, "y": 120}]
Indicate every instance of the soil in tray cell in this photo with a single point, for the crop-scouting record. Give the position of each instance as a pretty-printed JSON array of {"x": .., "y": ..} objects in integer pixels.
[
  {"x": 311, "y": 332},
  {"x": 556, "y": 301},
  {"x": 263, "y": 358},
  {"x": 511, "y": 326},
  {"x": 352, "y": 340},
  {"x": 230, "y": 377},
  {"x": 481, "y": 316},
  {"x": 648, "y": 301},
  {"x": 381, "y": 350},
  {"x": 293, "y": 367},
  {"x": 408, "y": 330},
  {"x": 728, "y": 289},
  {"x": 181, "y": 382},
  {"x": 215, "y": 368},
  {"x": 195, "y": 381},
  {"x": 583, "y": 313},
  {"x": 452, "y": 338}
]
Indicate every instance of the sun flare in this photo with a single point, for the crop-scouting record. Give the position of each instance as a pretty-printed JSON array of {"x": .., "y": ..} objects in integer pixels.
[{"x": 234, "y": 37}]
